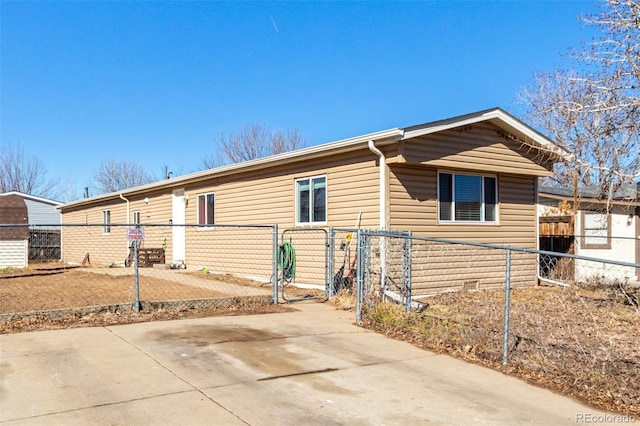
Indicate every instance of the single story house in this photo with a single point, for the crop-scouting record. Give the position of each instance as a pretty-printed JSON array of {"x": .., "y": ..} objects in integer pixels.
[
  {"x": 597, "y": 228},
  {"x": 471, "y": 177}
]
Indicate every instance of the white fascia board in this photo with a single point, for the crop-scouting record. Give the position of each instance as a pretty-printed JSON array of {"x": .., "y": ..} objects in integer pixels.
[{"x": 33, "y": 197}]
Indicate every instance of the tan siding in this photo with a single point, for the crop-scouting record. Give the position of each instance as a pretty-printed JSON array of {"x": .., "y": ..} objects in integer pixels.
[
  {"x": 413, "y": 206},
  {"x": 479, "y": 147},
  {"x": 268, "y": 196}
]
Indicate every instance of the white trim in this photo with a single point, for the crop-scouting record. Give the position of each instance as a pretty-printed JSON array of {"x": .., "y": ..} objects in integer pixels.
[
  {"x": 482, "y": 208},
  {"x": 204, "y": 194},
  {"x": 33, "y": 197},
  {"x": 297, "y": 201},
  {"x": 106, "y": 226}
]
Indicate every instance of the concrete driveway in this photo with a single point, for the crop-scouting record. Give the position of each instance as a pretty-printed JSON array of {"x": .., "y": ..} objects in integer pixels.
[{"x": 312, "y": 366}]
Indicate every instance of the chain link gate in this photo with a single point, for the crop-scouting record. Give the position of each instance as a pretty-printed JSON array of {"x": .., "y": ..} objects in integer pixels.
[
  {"x": 383, "y": 268},
  {"x": 303, "y": 262}
]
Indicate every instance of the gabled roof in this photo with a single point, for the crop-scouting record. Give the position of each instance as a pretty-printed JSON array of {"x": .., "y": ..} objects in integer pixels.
[
  {"x": 33, "y": 197},
  {"x": 516, "y": 129}
]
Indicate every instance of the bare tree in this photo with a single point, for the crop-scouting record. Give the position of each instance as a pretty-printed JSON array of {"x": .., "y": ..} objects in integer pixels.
[
  {"x": 113, "y": 175},
  {"x": 24, "y": 174},
  {"x": 251, "y": 142},
  {"x": 595, "y": 112}
]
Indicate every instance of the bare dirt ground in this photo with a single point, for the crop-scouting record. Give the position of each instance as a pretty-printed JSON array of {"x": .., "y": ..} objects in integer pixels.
[{"x": 55, "y": 296}]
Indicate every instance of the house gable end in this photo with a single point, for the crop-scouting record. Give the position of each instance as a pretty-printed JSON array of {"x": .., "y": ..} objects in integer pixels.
[{"x": 481, "y": 146}]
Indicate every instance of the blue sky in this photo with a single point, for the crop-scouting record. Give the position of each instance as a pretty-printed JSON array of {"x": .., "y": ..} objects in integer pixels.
[{"x": 157, "y": 82}]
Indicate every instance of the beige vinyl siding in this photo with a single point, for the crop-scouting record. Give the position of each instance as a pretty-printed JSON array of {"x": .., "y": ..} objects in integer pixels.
[
  {"x": 113, "y": 248},
  {"x": 477, "y": 147},
  {"x": 266, "y": 198},
  {"x": 256, "y": 198},
  {"x": 413, "y": 206}
]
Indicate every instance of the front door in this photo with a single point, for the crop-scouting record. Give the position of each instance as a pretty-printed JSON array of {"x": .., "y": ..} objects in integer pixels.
[{"x": 178, "y": 230}]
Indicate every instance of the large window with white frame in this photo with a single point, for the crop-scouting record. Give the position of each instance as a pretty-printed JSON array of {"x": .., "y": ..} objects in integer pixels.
[
  {"x": 206, "y": 209},
  {"x": 106, "y": 221},
  {"x": 311, "y": 200},
  {"x": 467, "y": 198}
]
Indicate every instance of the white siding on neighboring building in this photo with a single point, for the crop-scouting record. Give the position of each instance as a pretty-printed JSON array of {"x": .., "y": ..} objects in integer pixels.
[{"x": 13, "y": 253}]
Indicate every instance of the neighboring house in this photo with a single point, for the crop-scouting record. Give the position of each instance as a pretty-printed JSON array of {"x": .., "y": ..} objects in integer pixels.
[
  {"x": 471, "y": 177},
  {"x": 44, "y": 219},
  {"x": 14, "y": 240},
  {"x": 599, "y": 228}
]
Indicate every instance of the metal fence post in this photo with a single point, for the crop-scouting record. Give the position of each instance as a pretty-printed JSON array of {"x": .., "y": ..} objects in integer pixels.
[
  {"x": 274, "y": 276},
  {"x": 137, "y": 276},
  {"x": 507, "y": 297},
  {"x": 408, "y": 272},
  {"x": 330, "y": 285},
  {"x": 359, "y": 273}
]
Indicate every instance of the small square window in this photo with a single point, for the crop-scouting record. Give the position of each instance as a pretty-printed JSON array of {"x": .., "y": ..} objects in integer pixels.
[{"x": 596, "y": 230}]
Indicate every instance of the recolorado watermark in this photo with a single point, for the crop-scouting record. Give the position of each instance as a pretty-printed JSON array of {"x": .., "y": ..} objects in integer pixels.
[{"x": 605, "y": 418}]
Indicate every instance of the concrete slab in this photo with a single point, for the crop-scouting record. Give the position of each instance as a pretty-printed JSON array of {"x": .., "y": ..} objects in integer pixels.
[
  {"x": 187, "y": 408},
  {"x": 62, "y": 370},
  {"x": 312, "y": 366}
]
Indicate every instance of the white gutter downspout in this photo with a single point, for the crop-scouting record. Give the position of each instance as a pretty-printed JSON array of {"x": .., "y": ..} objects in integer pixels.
[
  {"x": 383, "y": 185},
  {"x": 122, "y": 197},
  {"x": 383, "y": 214}
]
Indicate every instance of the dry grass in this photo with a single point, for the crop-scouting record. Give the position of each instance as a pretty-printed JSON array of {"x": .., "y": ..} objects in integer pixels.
[{"x": 581, "y": 342}]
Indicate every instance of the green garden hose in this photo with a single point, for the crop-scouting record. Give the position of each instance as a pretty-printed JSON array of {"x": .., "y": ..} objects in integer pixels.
[{"x": 287, "y": 261}]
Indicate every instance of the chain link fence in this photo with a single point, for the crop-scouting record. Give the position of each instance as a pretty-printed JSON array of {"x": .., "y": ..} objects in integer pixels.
[
  {"x": 100, "y": 267},
  {"x": 621, "y": 249},
  {"x": 564, "y": 320}
]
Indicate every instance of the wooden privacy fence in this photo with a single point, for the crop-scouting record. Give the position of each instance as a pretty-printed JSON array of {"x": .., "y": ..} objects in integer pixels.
[{"x": 557, "y": 235}]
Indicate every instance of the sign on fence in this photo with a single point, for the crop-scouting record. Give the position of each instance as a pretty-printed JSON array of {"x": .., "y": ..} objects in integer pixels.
[{"x": 135, "y": 234}]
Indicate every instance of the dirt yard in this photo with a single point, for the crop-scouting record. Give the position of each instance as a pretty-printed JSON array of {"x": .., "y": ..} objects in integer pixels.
[{"x": 55, "y": 296}]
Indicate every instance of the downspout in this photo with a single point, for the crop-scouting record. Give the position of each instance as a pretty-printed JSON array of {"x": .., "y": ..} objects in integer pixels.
[
  {"x": 122, "y": 197},
  {"x": 383, "y": 214},
  {"x": 127, "y": 242},
  {"x": 383, "y": 185}
]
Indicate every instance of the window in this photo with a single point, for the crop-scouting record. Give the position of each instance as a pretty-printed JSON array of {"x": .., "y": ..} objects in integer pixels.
[
  {"x": 467, "y": 198},
  {"x": 311, "y": 200},
  {"x": 596, "y": 230},
  {"x": 136, "y": 217},
  {"x": 206, "y": 208},
  {"x": 106, "y": 221}
]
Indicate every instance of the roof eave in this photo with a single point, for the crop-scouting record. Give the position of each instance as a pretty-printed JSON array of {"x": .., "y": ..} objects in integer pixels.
[
  {"x": 341, "y": 146},
  {"x": 498, "y": 117}
]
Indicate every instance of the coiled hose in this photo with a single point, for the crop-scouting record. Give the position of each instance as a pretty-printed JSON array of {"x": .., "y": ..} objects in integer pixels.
[{"x": 287, "y": 261}]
